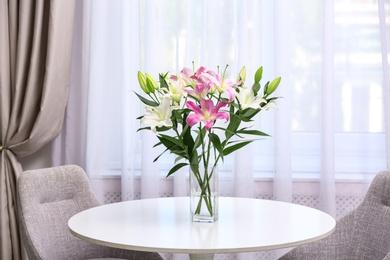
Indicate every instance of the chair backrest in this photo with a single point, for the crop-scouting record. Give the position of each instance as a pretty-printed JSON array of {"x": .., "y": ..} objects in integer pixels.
[
  {"x": 364, "y": 233},
  {"x": 47, "y": 199}
]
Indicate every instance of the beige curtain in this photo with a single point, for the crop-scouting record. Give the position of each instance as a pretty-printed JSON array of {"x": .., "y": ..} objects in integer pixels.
[{"x": 35, "y": 51}]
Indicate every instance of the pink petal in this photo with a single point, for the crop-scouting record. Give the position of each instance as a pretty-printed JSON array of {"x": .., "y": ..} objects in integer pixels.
[
  {"x": 173, "y": 77},
  {"x": 207, "y": 105},
  {"x": 221, "y": 104},
  {"x": 200, "y": 70},
  {"x": 231, "y": 92},
  {"x": 209, "y": 124},
  {"x": 211, "y": 78},
  {"x": 222, "y": 115},
  {"x": 188, "y": 72},
  {"x": 191, "y": 105},
  {"x": 193, "y": 119}
]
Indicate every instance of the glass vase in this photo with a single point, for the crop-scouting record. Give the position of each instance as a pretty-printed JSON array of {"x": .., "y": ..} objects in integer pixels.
[{"x": 204, "y": 192}]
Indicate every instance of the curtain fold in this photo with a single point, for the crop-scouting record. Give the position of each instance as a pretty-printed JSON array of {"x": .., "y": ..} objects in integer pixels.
[
  {"x": 327, "y": 194},
  {"x": 385, "y": 52},
  {"x": 282, "y": 139},
  {"x": 130, "y": 30},
  {"x": 75, "y": 126},
  {"x": 36, "y": 44}
]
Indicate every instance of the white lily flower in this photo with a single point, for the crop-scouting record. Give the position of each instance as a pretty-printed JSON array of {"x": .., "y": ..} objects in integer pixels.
[
  {"x": 176, "y": 91},
  {"x": 158, "y": 116},
  {"x": 247, "y": 99}
]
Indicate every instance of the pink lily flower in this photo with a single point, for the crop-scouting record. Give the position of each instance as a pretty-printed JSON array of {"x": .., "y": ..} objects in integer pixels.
[
  {"x": 200, "y": 75},
  {"x": 200, "y": 91},
  {"x": 187, "y": 75},
  {"x": 183, "y": 78},
  {"x": 186, "y": 71},
  {"x": 223, "y": 85},
  {"x": 199, "y": 72},
  {"x": 206, "y": 113}
]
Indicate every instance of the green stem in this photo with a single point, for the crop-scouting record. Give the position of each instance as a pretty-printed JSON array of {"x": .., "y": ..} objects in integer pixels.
[
  {"x": 205, "y": 194},
  {"x": 204, "y": 184}
]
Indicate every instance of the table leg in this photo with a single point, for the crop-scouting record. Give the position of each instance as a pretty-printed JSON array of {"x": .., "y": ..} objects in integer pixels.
[{"x": 201, "y": 256}]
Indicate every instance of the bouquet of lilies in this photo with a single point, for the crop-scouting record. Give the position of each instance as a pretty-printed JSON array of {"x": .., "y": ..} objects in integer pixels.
[{"x": 183, "y": 109}]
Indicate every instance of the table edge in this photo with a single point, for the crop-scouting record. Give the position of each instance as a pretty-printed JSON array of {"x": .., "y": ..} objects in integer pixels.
[{"x": 206, "y": 251}]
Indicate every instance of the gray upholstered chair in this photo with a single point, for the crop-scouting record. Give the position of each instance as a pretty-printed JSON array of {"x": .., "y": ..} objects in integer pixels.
[
  {"x": 47, "y": 199},
  {"x": 364, "y": 233}
]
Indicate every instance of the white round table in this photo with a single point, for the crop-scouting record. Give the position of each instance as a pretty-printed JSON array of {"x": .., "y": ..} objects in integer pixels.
[{"x": 164, "y": 225}]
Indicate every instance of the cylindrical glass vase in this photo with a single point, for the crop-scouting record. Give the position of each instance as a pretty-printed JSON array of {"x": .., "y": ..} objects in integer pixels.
[{"x": 204, "y": 192}]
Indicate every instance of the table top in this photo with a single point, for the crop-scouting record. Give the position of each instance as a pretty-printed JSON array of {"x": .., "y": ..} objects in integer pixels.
[{"x": 164, "y": 225}]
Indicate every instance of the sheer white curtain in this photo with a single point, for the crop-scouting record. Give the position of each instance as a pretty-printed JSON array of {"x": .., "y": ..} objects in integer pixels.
[{"x": 329, "y": 134}]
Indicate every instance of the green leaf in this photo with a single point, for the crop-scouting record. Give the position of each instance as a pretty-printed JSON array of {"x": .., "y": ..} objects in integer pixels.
[
  {"x": 233, "y": 125},
  {"x": 169, "y": 142},
  {"x": 199, "y": 138},
  {"x": 176, "y": 118},
  {"x": 188, "y": 141},
  {"x": 226, "y": 131},
  {"x": 270, "y": 99},
  {"x": 158, "y": 157},
  {"x": 175, "y": 145},
  {"x": 144, "y": 128},
  {"x": 178, "y": 158},
  {"x": 234, "y": 106},
  {"x": 194, "y": 160},
  {"x": 258, "y": 74},
  {"x": 252, "y": 132},
  {"x": 163, "y": 128},
  {"x": 230, "y": 149},
  {"x": 147, "y": 101},
  {"x": 175, "y": 168},
  {"x": 247, "y": 114},
  {"x": 266, "y": 88},
  {"x": 163, "y": 82},
  {"x": 168, "y": 138},
  {"x": 256, "y": 87},
  {"x": 216, "y": 142}
]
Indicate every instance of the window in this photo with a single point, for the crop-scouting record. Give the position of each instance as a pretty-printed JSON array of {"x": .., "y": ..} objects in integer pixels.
[{"x": 172, "y": 34}]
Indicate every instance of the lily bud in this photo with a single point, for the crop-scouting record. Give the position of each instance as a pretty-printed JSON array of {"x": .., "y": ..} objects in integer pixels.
[
  {"x": 151, "y": 82},
  {"x": 142, "y": 82},
  {"x": 242, "y": 74},
  {"x": 258, "y": 75},
  {"x": 273, "y": 86}
]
